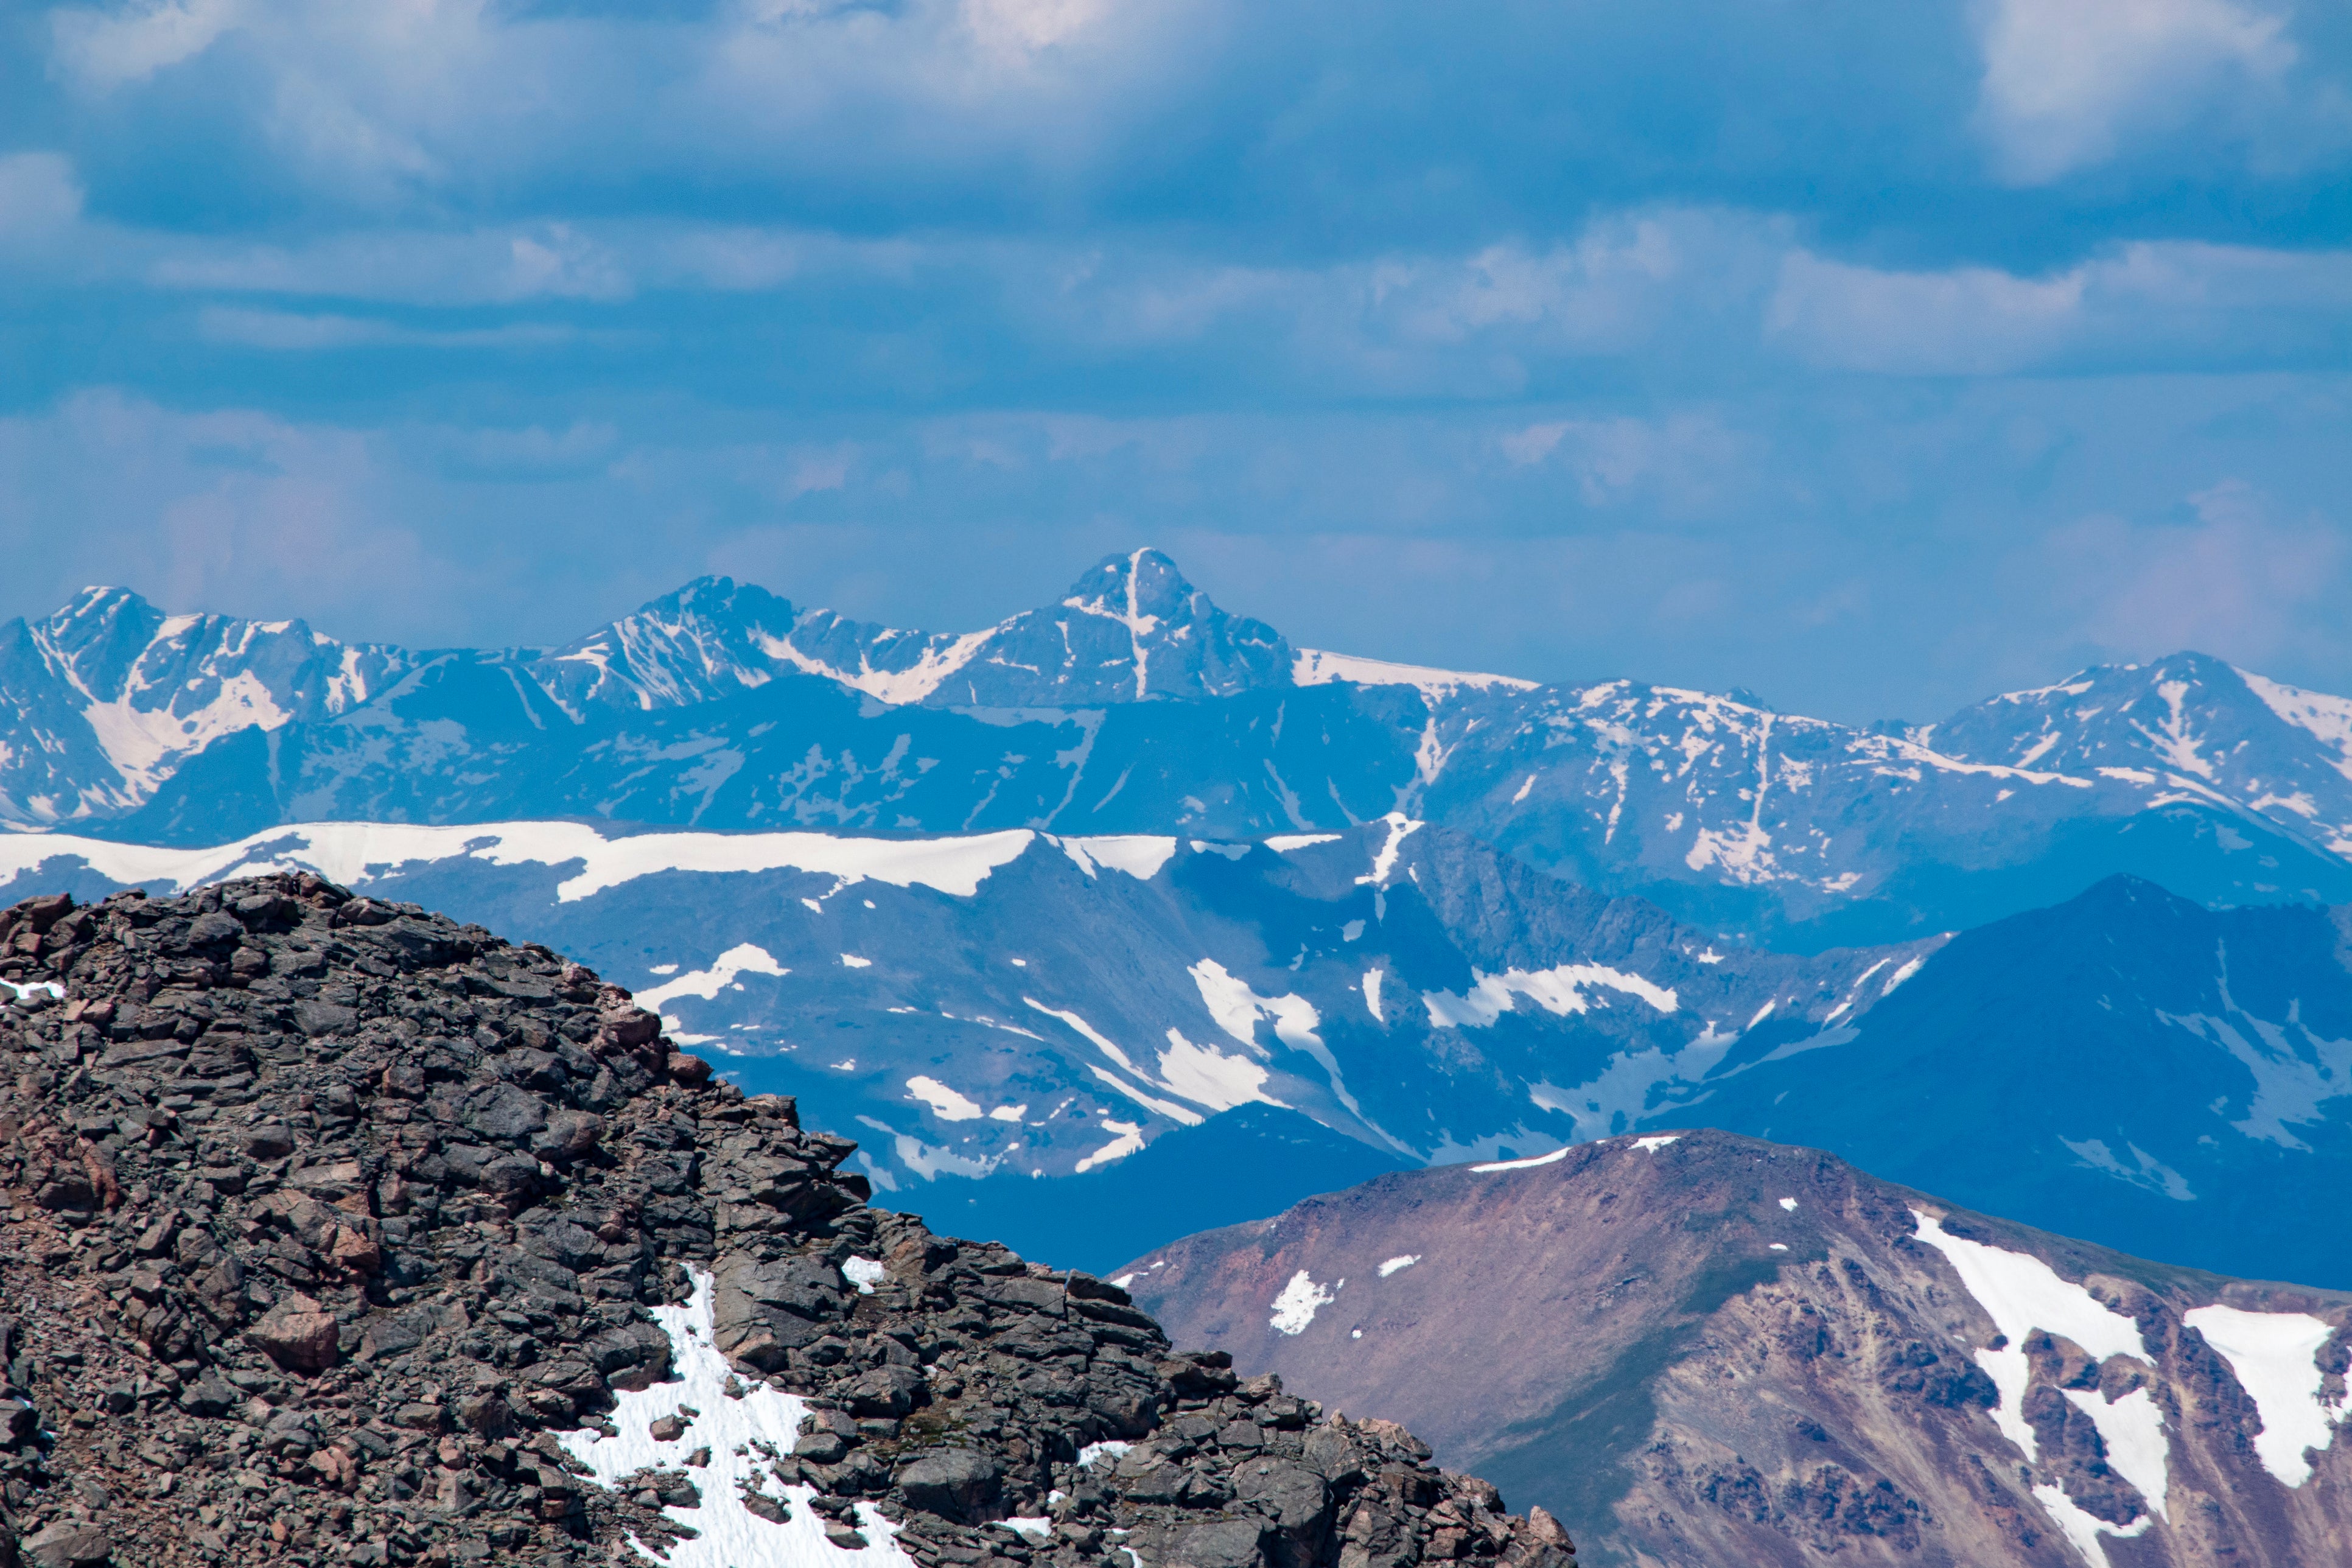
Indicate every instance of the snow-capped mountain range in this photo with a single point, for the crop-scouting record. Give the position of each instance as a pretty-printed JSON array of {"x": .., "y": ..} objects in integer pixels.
[{"x": 1134, "y": 704}]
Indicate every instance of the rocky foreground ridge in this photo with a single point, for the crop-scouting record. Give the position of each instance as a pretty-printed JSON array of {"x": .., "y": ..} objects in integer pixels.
[{"x": 334, "y": 1232}]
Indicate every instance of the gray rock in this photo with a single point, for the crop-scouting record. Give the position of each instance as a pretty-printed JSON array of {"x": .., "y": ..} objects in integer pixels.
[
  {"x": 66, "y": 1545},
  {"x": 956, "y": 1483},
  {"x": 1221, "y": 1544}
]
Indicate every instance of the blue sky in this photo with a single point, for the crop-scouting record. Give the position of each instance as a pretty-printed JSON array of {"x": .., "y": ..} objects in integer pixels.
[{"x": 1871, "y": 357}]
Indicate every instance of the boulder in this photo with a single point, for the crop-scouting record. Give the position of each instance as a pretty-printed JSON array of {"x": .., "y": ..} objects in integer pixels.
[
  {"x": 299, "y": 1335},
  {"x": 67, "y": 1545},
  {"x": 955, "y": 1483}
]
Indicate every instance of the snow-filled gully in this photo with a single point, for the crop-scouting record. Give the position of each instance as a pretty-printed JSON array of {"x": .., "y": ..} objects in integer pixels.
[
  {"x": 2272, "y": 1354},
  {"x": 745, "y": 1435}
]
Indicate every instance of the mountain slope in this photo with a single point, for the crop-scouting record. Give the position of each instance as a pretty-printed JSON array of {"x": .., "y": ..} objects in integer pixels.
[
  {"x": 2128, "y": 1067},
  {"x": 104, "y": 701},
  {"x": 2170, "y": 1079},
  {"x": 1031, "y": 1003},
  {"x": 1728, "y": 1352}
]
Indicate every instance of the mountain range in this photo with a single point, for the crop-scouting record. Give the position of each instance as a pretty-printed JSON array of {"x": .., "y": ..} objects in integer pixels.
[{"x": 1135, "y": 704}]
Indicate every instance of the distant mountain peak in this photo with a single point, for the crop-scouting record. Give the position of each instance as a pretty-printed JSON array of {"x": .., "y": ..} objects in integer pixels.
[
  {"x": 706, "y": 639},
  {"x": 1139, "y": 583}
]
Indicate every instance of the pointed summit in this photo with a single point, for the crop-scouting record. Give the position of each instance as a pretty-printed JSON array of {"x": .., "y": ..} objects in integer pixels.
[
  {"x": 1132, "y": 629},
  {"x": 710, "y": 638},
  {"x": 1141, "y": 583}
]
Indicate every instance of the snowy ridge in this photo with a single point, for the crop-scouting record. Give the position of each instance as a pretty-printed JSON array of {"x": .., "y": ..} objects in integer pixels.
[
  {"x": 1315, "y": 666},
  {"x": 1559, "y": 990},
  {"x": 355, "y": 853}
]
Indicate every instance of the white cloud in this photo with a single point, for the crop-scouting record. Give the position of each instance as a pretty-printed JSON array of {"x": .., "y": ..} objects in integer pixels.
[
  {"x": 2154, "y": 302},
  {"x": 2232, "y": 578},
  {"x": 1971, "y": 320},
  {"x": 2066, "y": 80},
  {"x": 1678, "y": 460},
  {"x": 230, "y": 509},
  {"x": 289, "y": 332},
  {"x": 40, "y": 200},
  {"x": 106, "y": 49},
  {"x": 1603, "y": 289},
  {"x": 1029, "y": 26},
  {"x": 492, "y": 266}
]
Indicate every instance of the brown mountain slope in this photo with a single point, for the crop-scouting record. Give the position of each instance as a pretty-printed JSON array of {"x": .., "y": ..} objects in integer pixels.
[{"x": 1701, "y": 1349}]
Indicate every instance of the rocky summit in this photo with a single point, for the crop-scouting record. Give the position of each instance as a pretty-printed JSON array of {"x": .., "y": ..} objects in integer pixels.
[{"x": 333, "y": 1232}]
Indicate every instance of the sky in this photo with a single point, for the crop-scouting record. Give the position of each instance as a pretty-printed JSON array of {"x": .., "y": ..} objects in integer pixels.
[{"x": 1872, "y": 358}]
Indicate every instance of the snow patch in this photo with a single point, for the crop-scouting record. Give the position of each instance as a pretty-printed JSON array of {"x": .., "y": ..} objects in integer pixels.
[
  {"x": 1559, "y": 991},
  {"x": 1236, "y": 1009},
  {"x": 1403, "y": 1260},
  {"x": 749, "y": 1437},
  {"x": 1296, "y": 1306},
  {"x": 2295, "y": 1069},
  {"x": 1139, "y": 855},
  {"x": 864, "y": 1273},
  {"x": 1656, "y": 1141},
  {"x": 2081, "y": 1528},
  {"x": 745, "y": 958},
  {"x": 1901, "y": 974},
  {"x": 1400, "y": 828},
  {"x": 1206, "y": 1076},
  {"x": 144, "y": 742},
  {"x": 1128, "y": 1137},
  {"x": 2275, "y": 1356},
  {"x": 2021, "y": 1293},
  {"x": 2326, "y": 719},
  {"x": 1526, "y": 1164},
  {"x": 1372, "y": 994},
  {"x": 945, "y": 1103},
  {"x": 1789, "y": 1204},
  {"x": 2146, "y": 1171},
  {"x": 851, "y": 961},
  {"x": 895, "y": 687}
]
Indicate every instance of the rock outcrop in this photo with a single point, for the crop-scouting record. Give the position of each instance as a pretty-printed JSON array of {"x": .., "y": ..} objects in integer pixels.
[{"x": 332, "y": 1232}]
